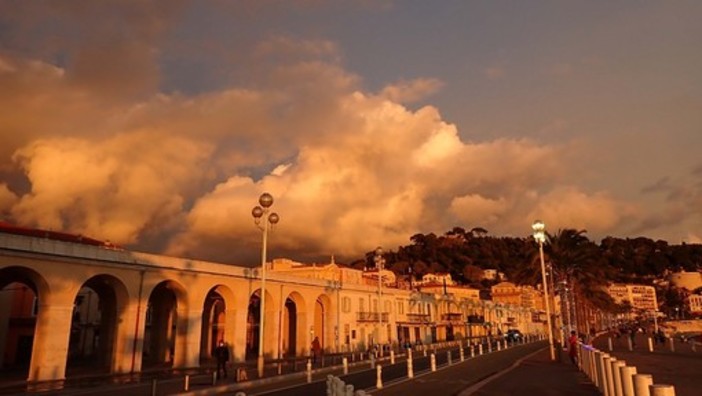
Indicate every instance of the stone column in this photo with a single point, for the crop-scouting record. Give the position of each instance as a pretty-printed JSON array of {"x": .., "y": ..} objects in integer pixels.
[{"x": 50, "y": 349}]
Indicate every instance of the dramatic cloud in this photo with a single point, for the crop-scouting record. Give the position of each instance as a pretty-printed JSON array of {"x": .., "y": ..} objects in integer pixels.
[{"x": 93, "y": 143}]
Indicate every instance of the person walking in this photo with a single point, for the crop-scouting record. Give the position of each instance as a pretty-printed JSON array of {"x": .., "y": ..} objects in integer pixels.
[
  {"x": 222, "y": 355},
  {"x": 573, "y": 347},
  {"x": 316, "y": 349}
]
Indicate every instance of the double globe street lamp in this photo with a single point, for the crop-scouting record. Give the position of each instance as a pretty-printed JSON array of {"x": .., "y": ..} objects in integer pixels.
[
  {"x": 540, "y": 236},
  {"x": 263, "y": 218}
]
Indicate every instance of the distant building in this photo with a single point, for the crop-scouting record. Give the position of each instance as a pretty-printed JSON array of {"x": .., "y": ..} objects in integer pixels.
[
  {"x": 493, "y": 274},
  {"x": 687, "y": 280},
  {"x": 642, "y": 298},
  {"x": 695, "y": 303}
]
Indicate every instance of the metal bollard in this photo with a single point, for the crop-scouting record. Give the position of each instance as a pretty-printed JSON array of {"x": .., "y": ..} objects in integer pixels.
[
  {"x": 410, "y": 365},
  {"x": 506, "y": 345},
  {"x": 345, "y": 362},
  {"x": 629, "y": 344},
  {"x": 480, "y": 349},
  {"x": 186, "y": 383},
  {"x": 627, "y": 375},
  {"x": 309, "y": 371},
  {"x": 153, "y": 387},
  {"x": 392, "y": 357},
  {"x": 214, "y": 378},
  {"x": 372, "y": 360},
  {"x": 379, "y": 377},
  {"x": 448, "y": 357},
  {"x": 662, "y": 390},
  {"x": 425, "y": 352},
  {"x": 463, "y": 358},
  {"x": 672, "y": 344},
  {"x": 609, "y": 343},
  {"x": 641, "y": 384},
  {"x": 499, "y": 345},
  {"x": 650, "y": 344},
  {"x": 490, "y": 347},
  {"x": 433, "y": 362}
]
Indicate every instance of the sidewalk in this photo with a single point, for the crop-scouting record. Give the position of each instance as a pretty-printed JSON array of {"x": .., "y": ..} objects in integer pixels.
[
  {"x": 537, "y": 375},
  {"x": 681, "y": 368}
]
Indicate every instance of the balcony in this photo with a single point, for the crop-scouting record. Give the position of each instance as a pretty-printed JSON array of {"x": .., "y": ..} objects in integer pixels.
[
  {"x": 372, "y": 316},
  {"x": 418, "y": 318},
  {"x": 455, "y": 317},
  {"x": 479, "y": 319}
]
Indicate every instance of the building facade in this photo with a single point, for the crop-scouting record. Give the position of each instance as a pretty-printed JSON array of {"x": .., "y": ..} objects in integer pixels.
[{"x": 68, "y": 301}]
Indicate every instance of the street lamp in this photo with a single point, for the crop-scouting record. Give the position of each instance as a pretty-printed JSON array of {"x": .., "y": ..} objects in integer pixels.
[
  {"x": 379, "y": 263},
  {"x": 262, "y": 214},
  {"x": 540, "y": 237}
]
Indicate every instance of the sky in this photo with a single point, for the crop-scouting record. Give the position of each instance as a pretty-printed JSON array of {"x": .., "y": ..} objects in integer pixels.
[{"x": 156, "y": 125}]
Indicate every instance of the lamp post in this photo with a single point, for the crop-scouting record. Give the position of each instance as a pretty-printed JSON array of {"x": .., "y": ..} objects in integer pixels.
[
  {"x": 379, "y": 263},
  {"x": 262, "y": 214},
  {"x": 540, "y": 237},
  {"x": 335, "y": 286}
]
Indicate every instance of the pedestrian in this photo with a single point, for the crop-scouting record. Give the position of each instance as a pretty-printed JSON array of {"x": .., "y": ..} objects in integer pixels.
[
  {"x": 573, "y": 347},
  {"x": 222, "y": 355},
  {"x": 316, "y": 349}
]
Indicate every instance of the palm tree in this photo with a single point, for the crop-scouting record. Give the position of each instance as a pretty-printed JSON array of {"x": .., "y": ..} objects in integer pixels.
[{"x": 576, "y": 262}]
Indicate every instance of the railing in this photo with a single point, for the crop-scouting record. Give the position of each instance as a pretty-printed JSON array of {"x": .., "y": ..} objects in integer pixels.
[
  {"x": 372, "y": 316},
  {"x": 452, "y": 317},
  {"x": 418, "y": 318},
  {"x": 476, "y": 319}
]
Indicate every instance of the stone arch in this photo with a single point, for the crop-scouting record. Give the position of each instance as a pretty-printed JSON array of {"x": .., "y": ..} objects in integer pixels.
[
  {"x": 166, "y": 325},
  {"x": 323, "y": 323},
  {"x": 217, "y": 319},
  {"x": 253, "y": 321},
  {"x": 22, "y": 292},
  {"x": 293, "y": 326},
  {"x": 99, "y": 312}
]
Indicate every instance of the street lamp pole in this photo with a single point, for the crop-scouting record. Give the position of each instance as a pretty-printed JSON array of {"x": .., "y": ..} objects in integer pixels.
[
  {"x": 379, "y": 263},
  {"x": 540, "y": 237},
  {"x": 263, "y": 214}
]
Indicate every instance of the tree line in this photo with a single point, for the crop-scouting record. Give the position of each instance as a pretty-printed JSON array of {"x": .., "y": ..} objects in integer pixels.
[{"x": 573, "y": 258}]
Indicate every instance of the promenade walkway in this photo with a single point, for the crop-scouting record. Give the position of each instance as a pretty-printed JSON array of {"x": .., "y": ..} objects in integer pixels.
[{"x": 682, "y": 368}]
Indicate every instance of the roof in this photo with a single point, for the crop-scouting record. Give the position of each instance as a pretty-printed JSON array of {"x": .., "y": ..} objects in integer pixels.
[{"x": 8, "y": 228}]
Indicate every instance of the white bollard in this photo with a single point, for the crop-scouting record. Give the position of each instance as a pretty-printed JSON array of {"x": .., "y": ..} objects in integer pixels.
[
  {"x": 309, "y": 371},
  {"x": 609, "y": 343},
  {"x": 609, "y": 383},
  {"x": 472, "y": 351},
  {"x": 641, "y": 384},
  {"x": 506, "y": 346},
  {"x": 617, "y": 375},
  {"x": 448, "y": 358},
  {"x": 480, "y": 349},
  {"x": 214, "y": 378},
  {"x": 662, "y": 390},
  {"x": 372, "y": 360},
  {"x": 629, "y": 343},
  {"x": 410, "y": 364},
  {"x": 694, "y": 346},
  {"x": 499, "y": 346},
  {"x": 379, "y": 377},
  {"x": 463, "y": 358},
  {"x": 392, "y": 357},
  {"x": 186, "y": 384},
  {"x": 627, "y": 375},
  {"x": 345, "y": 362},
  {"x": 672, "y": 344},
  {"x": 433, "y": 362},
  {"x": 489, "y": 346},
  {"x": 425, "y": 352},
  {"x": 153, "y": 385},
  {"x": 650, "y": 344}
]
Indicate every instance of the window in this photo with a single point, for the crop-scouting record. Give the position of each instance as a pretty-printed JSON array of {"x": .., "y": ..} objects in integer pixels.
[
  {"x": 346, "y": 304},
  {"x": 388, "y": 306},
  {"x": 400, "y": 307},
  {"x": 361, "y": 305}
]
